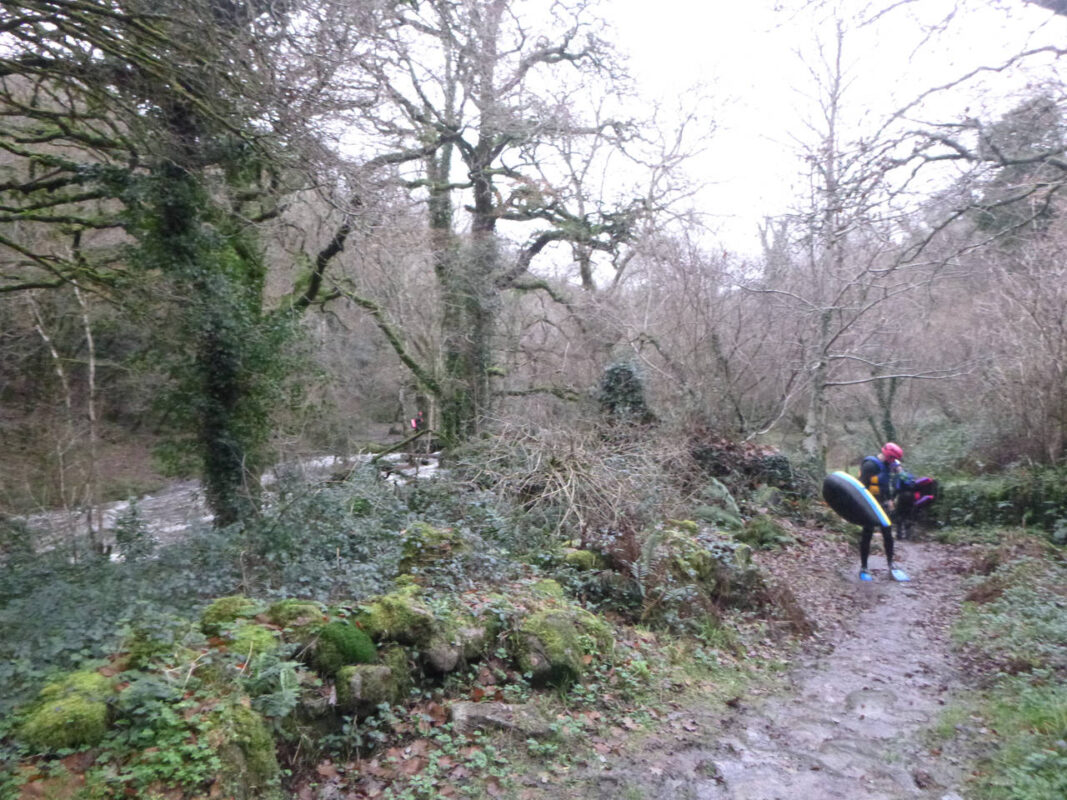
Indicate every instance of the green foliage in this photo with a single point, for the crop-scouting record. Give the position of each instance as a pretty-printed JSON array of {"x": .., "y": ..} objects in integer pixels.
[
  {"x": 1033, "y": 497},
  {"x": 226, "y": 356},
  {"x": 764, "y": 533},
  {"x": 1018, "y": 636},
  {"x": 339, "y": 643},
  {"x": 1025, "y": 627},
  {"x": 132, "y": 540},
  {"x": 160, "y": 737},
  {"x": 622, "y": 395}
]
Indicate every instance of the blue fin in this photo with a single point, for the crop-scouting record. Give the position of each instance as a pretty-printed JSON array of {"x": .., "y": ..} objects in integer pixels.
[
  {"x": 865, "y": 575},
  {"x": 900, "y": 575}
]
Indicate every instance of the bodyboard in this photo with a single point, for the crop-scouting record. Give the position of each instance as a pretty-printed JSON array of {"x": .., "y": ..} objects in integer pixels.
[{"x": 852, "y": 502}]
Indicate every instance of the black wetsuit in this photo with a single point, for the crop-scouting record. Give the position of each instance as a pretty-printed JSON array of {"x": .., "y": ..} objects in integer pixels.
[{"x": 875, "y": 475}]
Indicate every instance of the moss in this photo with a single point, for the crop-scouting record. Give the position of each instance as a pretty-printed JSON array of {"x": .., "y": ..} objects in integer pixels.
[
  {"x": 552, "y": 645},
  {"x": 548, "y": 588},
  {"x": 397, "y": 616},
  {"x": 247, "y": 752},
  {"x": 687, "y": 525},
  {"x": 584, "y": 560},
  {"x": 251, "y": 639},
  {"x": 396, "y": 658},
  {"x": 423, "y": 545},
  {"x": 225, "y": 610},
  {"x": 69, "y": 713},
  {"x": 292, "y": 612},
  {"x": 340, "y": 643}
]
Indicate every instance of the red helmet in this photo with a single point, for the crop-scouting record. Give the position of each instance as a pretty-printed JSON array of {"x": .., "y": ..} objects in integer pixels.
[{"x": 892, "y": 451}]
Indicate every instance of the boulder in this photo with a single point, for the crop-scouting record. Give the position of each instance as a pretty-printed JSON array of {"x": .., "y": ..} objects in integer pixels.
[
  {"x": 556, "y": 645},
  {"x": 248, "y": 763},
  {"x": 398, "y": 617},
  {"x": 448, "y": 650},
  {"x": 69, "y": 713},
  {"x": 225, "y": 610},
  {"x": 361, "y": 688},
  {"x": 340, "y": 643},
  {"x": 249, "y": 639},
  {"x": 468, "y": 717}
]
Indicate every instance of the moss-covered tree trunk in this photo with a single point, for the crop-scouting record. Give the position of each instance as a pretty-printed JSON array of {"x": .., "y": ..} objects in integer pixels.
[{"x": 224, "y": 377}]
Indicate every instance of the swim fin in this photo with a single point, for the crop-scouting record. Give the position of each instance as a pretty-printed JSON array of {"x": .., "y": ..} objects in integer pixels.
[{"x": 900, "y": 575}]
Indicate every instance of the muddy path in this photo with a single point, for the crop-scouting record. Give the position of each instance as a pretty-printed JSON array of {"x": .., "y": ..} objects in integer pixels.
[{"x": 850, "y": 722}]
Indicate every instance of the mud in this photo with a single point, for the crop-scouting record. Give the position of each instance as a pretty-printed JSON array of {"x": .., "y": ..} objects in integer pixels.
[{"x": 851, "y": 722}]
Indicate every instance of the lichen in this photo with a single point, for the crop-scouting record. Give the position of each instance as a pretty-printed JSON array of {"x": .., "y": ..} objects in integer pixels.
[
  {"x": 225, "y": 610},
  {"x": 69, "y": 713},
  {"x": 339, "y": 643}
]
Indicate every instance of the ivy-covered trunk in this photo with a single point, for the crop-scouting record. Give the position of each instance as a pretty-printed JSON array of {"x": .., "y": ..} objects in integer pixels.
[
  {"x": 225, "y": 348},
  {"x": 467, "y": 327}
]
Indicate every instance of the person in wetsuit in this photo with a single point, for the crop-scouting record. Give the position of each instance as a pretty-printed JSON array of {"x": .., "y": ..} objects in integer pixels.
[{"x": 876, "y": 474}]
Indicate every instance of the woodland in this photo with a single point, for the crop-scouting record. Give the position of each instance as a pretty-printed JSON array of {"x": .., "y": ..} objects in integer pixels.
[{"x": 242, "y": 233}]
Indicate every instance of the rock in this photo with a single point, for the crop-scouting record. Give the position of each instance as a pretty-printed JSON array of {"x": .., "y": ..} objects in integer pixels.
[
  {"x": 554, "y": 645},
  {"x": 339, "y": 643},
  {"x": 445, "y": 653},
  {"x": 468, "y": 717},
  {"x": 423, "y": 545},
  {"x": 249, "y": 764},
  {"x": 250, "y": 639},
  {"x": 583, "y": 560},
  {"x": 292, "y": 612},
  {"x": 398, "y": 617},
  {"x": 361, "y": 688},
  {"x": 225, "y": 610},
  {"x": 69, "y": 713}
]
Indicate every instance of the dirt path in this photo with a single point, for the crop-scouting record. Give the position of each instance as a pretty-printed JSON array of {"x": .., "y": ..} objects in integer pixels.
[{"x": 850, "y": 723}]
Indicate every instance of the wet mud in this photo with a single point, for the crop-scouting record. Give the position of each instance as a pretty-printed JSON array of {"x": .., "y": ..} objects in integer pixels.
[{"x": 850, "y": 723}]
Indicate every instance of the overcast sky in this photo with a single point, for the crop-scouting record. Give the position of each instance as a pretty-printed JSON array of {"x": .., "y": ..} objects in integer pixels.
[{"x": 749, "y": 54}]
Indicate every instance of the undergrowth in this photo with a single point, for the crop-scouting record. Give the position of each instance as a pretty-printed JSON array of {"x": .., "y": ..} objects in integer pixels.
[{"x": 1013, "y": 633}]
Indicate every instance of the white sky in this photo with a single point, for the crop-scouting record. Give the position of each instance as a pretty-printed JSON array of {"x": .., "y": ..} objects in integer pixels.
[{"x": 749, "y": 56}]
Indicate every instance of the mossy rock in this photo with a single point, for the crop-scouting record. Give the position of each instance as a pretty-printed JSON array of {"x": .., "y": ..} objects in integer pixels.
[
  {"x": 361, "y": 688},
  {"x": 554, "y": 645},
  {"x": 583, "y": 560},
  {"x": 294, "y": 613},
  {"x": 224, "y": 611},
  {"x": 247, "y": 754},
  {"x": 689, "y": 561},
  {"x": 423, "y": 545},
  {"x": 548, "y": 588},
  {"x": 339, "y": 643},
  {"x": 249, "y": 639},
  {"x": 69, "y": 713},
  {"x": 398, "y": 617},
  {"x": 397, "y": 659},
  {"x": 458, "y": 640}
]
